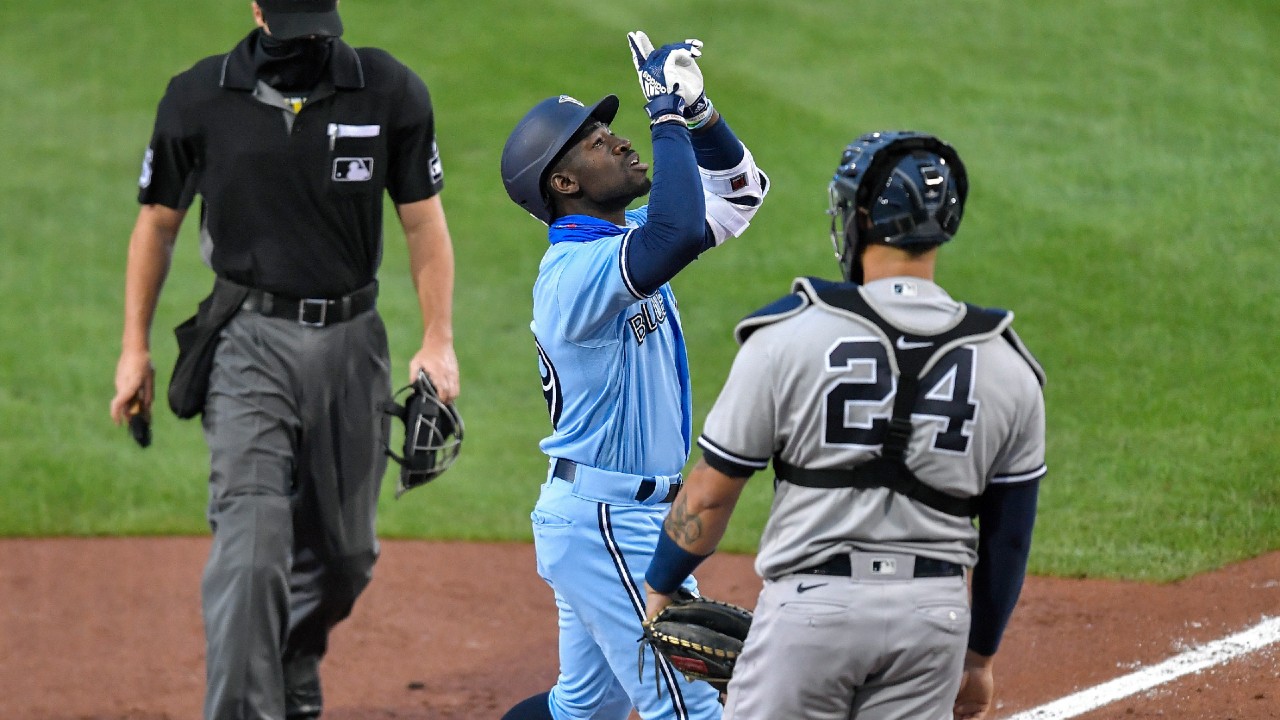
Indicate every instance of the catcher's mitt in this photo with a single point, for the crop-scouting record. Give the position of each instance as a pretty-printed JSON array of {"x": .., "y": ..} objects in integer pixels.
[
  {"x": 432, "y": 435},
  {"x": 701, "y": 638}
]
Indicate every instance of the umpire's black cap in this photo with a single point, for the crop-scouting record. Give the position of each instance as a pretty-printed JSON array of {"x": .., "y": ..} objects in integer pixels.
[
  {"x": 289, "y": 19},
  {"x": 538, "y": 140}
]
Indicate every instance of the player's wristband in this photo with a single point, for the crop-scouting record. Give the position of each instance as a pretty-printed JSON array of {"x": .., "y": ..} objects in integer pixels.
[
  {"x": 665, "y": 108},
  {"x": 671, "y": 564},
  {"x": 697, "y": 114}
]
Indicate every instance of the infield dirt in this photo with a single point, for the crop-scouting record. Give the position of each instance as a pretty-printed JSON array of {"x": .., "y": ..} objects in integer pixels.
[{"x": 110, "y": 629}]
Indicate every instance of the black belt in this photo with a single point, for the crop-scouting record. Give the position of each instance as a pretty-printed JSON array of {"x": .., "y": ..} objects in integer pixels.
[
  {"x": 925, "y": 568},
  {"x": 567, "y": 469},
  {"x": 312, "y": 312}
]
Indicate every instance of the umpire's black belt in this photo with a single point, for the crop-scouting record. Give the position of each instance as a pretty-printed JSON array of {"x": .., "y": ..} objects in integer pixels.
[
  {"x": 312, "y": 312},
  {"x": 615, "y": 487},
  {"x": 885, "y": 566}
]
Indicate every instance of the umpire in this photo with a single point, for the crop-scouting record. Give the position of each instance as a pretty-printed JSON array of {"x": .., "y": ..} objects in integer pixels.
[
  {"x": 290, "y": 140},
  {"x": 893, "y": 416}
]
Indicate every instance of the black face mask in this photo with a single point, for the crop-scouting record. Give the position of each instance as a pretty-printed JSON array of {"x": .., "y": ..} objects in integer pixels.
[{"x": 291, "y": 65}]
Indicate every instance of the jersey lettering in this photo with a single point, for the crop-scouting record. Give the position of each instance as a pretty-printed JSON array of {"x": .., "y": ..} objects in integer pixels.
[
  {"x": 950, "y": 399},
  {"x": 869, "y": 361},
  {"x": 653, "y": 312},
  {"x": 858, "y": 405}
]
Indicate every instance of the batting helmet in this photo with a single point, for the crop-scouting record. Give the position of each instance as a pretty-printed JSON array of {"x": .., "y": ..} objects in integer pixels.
[
  {"x": 538, "y": 141},
  {"x": 902, "y": 188}
]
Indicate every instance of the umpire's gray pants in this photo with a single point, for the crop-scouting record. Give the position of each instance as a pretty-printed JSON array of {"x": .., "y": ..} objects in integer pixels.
[{"x": 295, "y": 432}]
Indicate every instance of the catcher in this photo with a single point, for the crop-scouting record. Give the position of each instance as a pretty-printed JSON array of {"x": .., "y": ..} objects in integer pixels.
[{"x": 893, "y": 416}]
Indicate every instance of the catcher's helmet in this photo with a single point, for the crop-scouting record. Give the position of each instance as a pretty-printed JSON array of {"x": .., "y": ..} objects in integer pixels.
[
  {"x": 901, "y": 188},
  {"x": 537, "y": 142}
]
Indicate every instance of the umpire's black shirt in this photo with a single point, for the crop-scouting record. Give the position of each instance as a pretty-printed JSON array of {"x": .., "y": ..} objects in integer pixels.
[{"x": 293, "y": 205}]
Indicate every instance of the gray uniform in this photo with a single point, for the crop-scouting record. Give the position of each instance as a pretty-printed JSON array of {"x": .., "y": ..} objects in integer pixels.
[
  {"x": 295, "y": 430},
  {"x": 813, "y": 387}
]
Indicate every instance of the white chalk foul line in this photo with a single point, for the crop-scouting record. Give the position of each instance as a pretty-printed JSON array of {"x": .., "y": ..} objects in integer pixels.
[{"x": 1194, "y": 660}]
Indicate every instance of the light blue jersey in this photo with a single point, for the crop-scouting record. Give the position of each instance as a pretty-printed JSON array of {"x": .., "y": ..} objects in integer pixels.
[
  {"x": 613, "y": 363},
  {"x": 616, "y": 380}
]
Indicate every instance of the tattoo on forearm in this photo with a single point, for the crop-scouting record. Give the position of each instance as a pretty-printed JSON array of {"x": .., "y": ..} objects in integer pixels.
[{"x": 681, "y": 526}]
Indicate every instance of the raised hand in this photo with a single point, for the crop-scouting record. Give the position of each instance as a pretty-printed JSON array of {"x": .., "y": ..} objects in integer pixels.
[{"x": 671, "y": 69}]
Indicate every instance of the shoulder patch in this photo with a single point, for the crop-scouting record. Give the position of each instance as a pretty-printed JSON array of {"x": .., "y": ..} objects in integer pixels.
[{"x": 780, "y": 309}]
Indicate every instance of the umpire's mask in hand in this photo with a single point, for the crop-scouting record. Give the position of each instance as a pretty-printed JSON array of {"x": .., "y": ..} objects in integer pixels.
[{"x": 432, "y": 435}]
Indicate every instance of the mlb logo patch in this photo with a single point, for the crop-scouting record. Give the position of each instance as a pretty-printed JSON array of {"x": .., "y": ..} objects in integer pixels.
[
  {"x": 884, "y": 566},
  {"x": 352, "y": 169}
]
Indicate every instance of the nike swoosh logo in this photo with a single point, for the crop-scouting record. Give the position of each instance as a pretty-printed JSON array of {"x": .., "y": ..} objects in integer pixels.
[
  {"x": 904, "y": 344},
  {"x": 802, "y": 587}
]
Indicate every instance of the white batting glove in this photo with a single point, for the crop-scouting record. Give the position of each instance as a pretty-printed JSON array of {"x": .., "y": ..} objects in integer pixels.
[{"x": 671, "y": 68}]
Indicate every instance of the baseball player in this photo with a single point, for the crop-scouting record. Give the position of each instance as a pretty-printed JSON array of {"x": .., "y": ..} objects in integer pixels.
[
  {"x": 893, "y": 416},
  {"x": 291, "y": 140},
  {"x": 613, "y": 365}
]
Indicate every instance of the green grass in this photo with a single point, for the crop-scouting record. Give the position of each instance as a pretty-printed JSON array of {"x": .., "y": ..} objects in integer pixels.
[{"x": 1122, "y": 157}]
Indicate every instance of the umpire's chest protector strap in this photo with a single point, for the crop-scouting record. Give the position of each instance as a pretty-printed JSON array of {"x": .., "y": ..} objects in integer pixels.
[{"x": 921, "y": 353}]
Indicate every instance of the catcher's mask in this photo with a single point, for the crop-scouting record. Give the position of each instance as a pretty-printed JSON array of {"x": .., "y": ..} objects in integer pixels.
[
  {"x": 432, "y": 434},
  {"x": 901, "y": 188}
]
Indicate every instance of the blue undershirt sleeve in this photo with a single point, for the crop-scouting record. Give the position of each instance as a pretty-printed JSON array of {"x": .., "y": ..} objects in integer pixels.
[
  {"x": 718, "y": 148},
  {"x": 1006, "y": 518},
  {"x": 676, "y": 232}
]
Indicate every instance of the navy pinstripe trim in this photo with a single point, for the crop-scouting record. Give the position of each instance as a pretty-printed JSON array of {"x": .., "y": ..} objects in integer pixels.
[
  {"x": 622, "y": 264},
  {"x": 1021, "y": 477},
  {"x": 637, "y": 603},
  {"x": 619, "y": 560}
]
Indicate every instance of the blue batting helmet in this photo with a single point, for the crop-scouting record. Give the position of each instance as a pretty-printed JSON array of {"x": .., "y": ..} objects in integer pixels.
[
  {"x": 900, "y": 188},
  {"x": 538, "y": 140}
]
